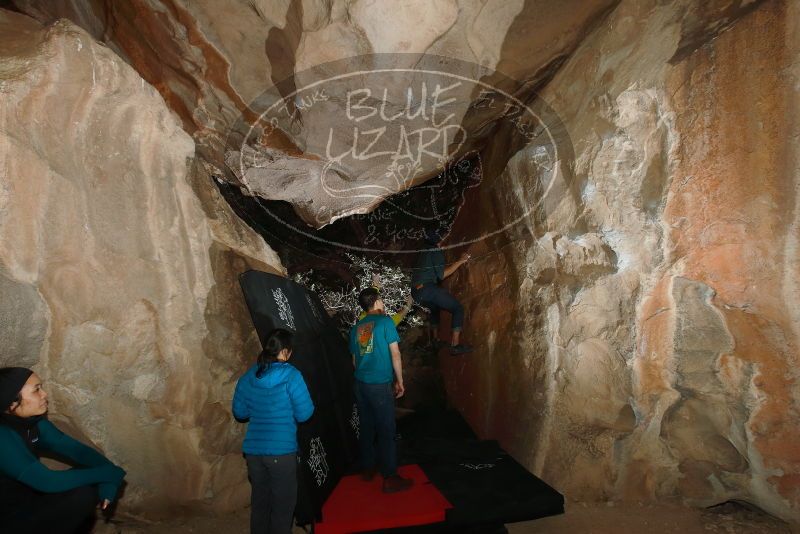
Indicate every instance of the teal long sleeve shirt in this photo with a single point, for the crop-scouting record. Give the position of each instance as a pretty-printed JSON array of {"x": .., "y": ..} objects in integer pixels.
[
  {"x": 430, "y": 268},
  {"x": 19, "y": 463}
]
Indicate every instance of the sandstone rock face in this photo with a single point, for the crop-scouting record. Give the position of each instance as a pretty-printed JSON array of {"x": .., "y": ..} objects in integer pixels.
[
  {"x": 638, "y": 335},
  {"x": 637, "y": 326},
  {"x": 215, "y": 70},
  {"x": 118, "y": 265}
]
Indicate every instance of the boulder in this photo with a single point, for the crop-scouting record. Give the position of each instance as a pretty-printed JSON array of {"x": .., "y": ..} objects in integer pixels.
[
  {"x": 647, "y": 318},
  {"x": 118, "y": 268}
]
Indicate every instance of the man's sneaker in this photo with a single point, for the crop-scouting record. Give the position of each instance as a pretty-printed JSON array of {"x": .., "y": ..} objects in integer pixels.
[
  {"x": 368, "y": 474},
  {"x": 396, "y": 483},
  {"x": 461, "y": 348}
]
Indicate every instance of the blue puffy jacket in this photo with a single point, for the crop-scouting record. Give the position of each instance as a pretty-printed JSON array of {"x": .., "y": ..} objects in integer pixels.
[{"x": 274, "y": 404}]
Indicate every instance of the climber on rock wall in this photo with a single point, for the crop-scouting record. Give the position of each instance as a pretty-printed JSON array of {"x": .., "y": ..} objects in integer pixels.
[
  {"x": 425, "y": 290},
  {"x": 36, "y": 499}
]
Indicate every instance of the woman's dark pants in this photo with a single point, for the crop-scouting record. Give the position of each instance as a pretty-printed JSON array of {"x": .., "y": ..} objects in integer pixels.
[
  {"x": 68, "y": 512},
  {"x": 273, "y": 482},
  {"x": 376, "y": 420}
]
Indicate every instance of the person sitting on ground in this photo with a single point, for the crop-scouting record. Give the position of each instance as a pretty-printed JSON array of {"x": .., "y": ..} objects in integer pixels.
[
  {"x": 274, "y": 397},
  {"x": 374, "y": 346},
  {"x": 398, "y": 317},
  {"x": 426, "y": 291},
  {"x": 34, "y": 498}
]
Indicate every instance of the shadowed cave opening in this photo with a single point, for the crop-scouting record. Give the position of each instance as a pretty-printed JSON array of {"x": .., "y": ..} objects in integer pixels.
[
  {"x": 385, "y": 241},
  {"x": 342, "y": 258}
]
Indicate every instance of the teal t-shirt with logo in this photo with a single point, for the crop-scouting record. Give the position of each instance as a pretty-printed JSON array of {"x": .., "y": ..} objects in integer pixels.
[{"x": 369, "y": 342}]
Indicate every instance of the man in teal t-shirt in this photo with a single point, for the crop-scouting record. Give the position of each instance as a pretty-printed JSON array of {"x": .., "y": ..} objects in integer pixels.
[
  {"x": 374, "y": 345},
  {"x": 370, "y": 342}
]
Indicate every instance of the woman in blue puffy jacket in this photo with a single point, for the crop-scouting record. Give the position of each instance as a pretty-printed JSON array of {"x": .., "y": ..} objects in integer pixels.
[{"x": 273, "y": 397}]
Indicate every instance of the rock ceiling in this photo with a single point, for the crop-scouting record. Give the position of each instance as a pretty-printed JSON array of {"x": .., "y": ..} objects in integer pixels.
[{"x": 268, "y": 88}]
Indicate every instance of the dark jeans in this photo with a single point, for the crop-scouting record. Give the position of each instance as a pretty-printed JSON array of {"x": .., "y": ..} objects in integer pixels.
[
  {"x": 376, "y": 420},
  {"x": 437, "y": 298},
  {"x": 273, "y": 482},
  {"x": 68, "y": 512}
]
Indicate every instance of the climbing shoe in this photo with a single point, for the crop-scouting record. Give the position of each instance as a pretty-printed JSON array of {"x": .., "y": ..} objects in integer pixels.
[{"x": 461, "y": 348}]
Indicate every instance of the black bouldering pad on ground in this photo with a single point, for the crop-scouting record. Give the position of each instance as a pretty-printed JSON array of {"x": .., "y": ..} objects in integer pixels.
[
  {"x": 485, "y": 485},
  {"x": 494, "y": 488}
]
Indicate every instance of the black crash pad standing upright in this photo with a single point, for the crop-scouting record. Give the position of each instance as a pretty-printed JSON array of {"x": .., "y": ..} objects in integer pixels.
[{"x": 328, "y": 440}]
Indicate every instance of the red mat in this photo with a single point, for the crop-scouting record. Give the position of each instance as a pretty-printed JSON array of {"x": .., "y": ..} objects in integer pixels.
[{"x": 358, "y": 506}]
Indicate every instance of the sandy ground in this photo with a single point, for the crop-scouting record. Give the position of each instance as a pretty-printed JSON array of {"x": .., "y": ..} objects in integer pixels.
[
  {"x": 424, "y": 385},
  {"x": 589, "y": 518},
  {"x": 655, "y": 519}
]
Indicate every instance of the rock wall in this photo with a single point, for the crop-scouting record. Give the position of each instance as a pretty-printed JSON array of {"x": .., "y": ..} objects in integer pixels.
[
  {"x": 637, "y": 335},
  {"x": 118, "y": 268}
]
